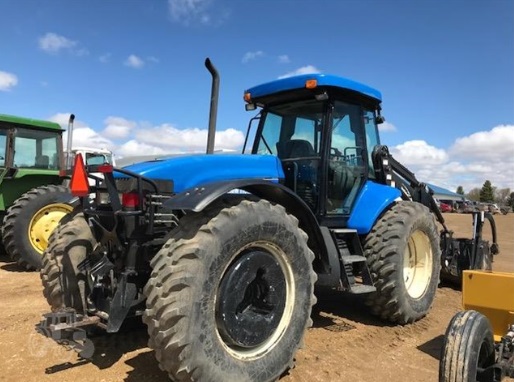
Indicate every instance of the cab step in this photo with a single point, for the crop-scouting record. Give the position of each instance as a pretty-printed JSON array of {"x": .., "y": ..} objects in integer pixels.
[
  {"x": 362, "y": 289},
  {"x": 355, "y": 274}
]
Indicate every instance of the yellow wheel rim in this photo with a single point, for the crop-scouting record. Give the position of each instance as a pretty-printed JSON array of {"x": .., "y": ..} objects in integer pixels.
[
  {"x": 417, "y": 264},
  {"x": 44, "y": 222}
]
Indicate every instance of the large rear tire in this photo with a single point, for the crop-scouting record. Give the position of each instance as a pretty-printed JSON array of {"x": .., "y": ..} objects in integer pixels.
[
  {"x": 230, "y": 300},
  {"x": 468, "y": 349},
  {"x": 69, "y": 245},
  {"x": 30, "y": 221},
  {"x": 404, "y": 258}
]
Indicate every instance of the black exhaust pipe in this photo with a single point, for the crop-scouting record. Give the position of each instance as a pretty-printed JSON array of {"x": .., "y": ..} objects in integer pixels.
[
  {"x": 69, "y": 144},
  {"x": 213, "y": 112}
]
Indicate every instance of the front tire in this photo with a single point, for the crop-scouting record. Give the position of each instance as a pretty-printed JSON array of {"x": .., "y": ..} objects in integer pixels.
[
  {"x": 30, "y": 221},
  {"x": 230, "y": 301},
  {"x": 404, "y": 258},
  {"x": 468, "y": 349}
]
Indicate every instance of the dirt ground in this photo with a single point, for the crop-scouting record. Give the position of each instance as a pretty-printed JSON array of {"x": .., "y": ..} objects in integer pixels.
[{"x": 345, "y": 342}]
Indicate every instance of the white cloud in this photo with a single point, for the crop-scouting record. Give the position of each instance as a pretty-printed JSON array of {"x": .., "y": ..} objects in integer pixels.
[
  {"x": 284, "y": 59},
  {"x": 128, "y": 138},
  {"x": 153, "y": 59},
  {"x": 186, "y": 140},
  {"x": 419, "y": 153},
  {"x": 185, "y": 10},
  {"x": 250, "y": 56},
  {"x": 53, "y": 43},
  {"x": 492, "y": 145},
  {"x": 63, "y": 118},
  {"x": 303, "y": 70},
  {"x": 386, "y": 127},
  {"x": 470, "y": 161},
  {"x": 194, "y": 12},
  {"x": 229, "y": 139},
  {"x": 105, "y": 58},
  {"x": 86, "y": 136},
  {"x": 83, "y": 135},
  {"x": 134, "y": 61},
  {"x": 118, "y": 128},
  {"x": 7, "y": 81},
  {"x": 81, "y": 52},
  {"x": 135, "y": 148}
]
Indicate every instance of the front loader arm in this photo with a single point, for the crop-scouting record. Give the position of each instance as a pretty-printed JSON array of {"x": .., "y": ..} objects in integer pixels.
[{"x": 391, "y": 172}]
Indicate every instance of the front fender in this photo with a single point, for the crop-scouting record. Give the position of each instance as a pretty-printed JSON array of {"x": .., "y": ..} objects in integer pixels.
[{"x": 372, "y": 201}]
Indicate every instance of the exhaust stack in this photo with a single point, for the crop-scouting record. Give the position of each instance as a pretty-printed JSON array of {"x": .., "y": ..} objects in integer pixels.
[
  {"x": 213, "y": 112},
  {"x": 68, "y": 163}
]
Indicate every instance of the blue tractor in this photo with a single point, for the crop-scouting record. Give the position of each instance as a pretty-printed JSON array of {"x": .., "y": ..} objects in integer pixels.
[{"x": 220, "y": 254}]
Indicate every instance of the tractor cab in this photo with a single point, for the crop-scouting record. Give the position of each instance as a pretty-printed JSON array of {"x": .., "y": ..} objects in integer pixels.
[
  {"x": 30, "y": 155},
  {"x": 323, "y": 129}
]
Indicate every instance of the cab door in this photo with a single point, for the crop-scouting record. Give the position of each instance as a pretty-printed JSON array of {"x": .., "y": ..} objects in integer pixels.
[{"x": 347, "y": 162}]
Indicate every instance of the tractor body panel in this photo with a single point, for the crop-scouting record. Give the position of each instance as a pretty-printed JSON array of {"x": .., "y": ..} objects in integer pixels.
[
  {"x": 481, "y": 292},
  {"x": 373, "y": 199},
  {"x": 298, "y": 82},
  {"x": 197, "y": 170}
]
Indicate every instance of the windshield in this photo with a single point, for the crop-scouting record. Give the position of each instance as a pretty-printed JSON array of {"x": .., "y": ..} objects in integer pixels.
[
  {"x": 3, "y": 141},
  {"x": 36, "y": 149},
  {"x": 98, "y": 159},
  {"x": 291, "y": 130}
]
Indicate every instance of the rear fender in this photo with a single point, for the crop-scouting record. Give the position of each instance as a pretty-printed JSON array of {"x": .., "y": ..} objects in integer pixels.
[{"x": 198, "y": 198}]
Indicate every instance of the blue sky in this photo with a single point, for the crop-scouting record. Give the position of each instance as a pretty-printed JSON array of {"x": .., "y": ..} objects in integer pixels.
[{"x": 132, "y": 72}]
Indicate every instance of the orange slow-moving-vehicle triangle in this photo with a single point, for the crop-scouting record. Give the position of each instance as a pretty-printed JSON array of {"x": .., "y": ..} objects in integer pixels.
[{"x": 79, "y": 184}]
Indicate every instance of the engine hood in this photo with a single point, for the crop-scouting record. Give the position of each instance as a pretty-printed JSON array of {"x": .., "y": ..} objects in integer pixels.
[{"x": 195, "y": 170}]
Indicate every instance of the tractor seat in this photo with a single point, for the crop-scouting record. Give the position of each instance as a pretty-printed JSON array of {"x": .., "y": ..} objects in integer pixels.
[
  {"x": 341, "y": 183},
  {"x": 295, "y": 148},
  {"x": 42, "y": 161}
]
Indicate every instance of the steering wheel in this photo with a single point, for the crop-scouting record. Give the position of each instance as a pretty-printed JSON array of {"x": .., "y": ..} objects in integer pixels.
[{"x": 335, "y": 153}]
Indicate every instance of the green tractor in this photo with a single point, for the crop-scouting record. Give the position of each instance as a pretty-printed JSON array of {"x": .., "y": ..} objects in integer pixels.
[{"x": 33, "y": 198}]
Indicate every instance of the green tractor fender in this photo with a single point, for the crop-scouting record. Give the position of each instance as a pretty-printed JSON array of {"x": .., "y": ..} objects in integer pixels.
[{"x": 15, "y": 182}]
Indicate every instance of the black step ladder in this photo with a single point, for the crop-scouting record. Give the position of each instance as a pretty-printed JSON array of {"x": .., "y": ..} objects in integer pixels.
[{"x": 355, "y": 274}]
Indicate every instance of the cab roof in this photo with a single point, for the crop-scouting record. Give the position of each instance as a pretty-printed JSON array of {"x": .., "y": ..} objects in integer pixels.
[
  {"x": 323, "y": 80},
  {"x": 29, "y": 122}
]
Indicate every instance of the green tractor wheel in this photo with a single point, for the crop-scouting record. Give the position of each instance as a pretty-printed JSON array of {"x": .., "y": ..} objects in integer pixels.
[
  {"x": 30, "y": 221},
  {"x": 44, "y": 222}
]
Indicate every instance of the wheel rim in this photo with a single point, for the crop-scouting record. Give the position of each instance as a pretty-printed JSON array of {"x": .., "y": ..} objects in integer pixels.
[
  {"x": 44, "y": 222},
  {"x": 417, "y": 264},
  {"x": 484, "y": 358},
  {"x": 254, "y": 301}
]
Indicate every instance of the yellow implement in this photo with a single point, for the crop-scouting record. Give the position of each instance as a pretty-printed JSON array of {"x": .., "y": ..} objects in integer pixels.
[
  {"x": 492, "y": 294},
  {"x": 479, "y": 341}
]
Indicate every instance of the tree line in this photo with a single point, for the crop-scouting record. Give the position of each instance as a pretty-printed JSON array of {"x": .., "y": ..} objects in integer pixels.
[{"x": 489, "y": 194}]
